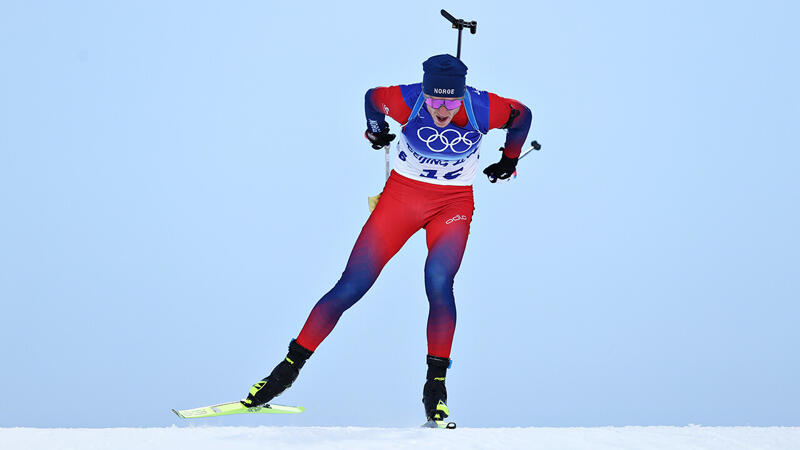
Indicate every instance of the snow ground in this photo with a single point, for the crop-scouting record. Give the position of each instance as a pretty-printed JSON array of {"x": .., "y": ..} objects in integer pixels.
[{"x": 241, "y": 438}]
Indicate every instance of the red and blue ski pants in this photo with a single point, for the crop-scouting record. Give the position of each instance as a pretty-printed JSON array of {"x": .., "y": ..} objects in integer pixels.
[{"x": 405, "y": 207}]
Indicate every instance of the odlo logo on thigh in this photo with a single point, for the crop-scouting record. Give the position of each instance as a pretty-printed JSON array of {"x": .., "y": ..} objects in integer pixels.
[{"x": 456, "y": 219}]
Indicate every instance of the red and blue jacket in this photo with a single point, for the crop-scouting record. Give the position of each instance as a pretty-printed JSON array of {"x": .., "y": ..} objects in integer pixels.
[{"x": 446, "y": 155}]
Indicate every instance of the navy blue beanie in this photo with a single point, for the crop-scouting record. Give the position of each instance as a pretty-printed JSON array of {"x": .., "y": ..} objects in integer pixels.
[{"x": 444, "y": 76}]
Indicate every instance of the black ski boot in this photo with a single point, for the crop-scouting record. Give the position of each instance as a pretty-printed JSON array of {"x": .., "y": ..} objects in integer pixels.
[
  {"x": 281, "y": 378},
  {"x": 434, "y": 394}
]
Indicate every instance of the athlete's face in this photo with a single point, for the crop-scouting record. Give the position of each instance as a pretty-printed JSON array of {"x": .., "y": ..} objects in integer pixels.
[{"x": 441, "y": 115}]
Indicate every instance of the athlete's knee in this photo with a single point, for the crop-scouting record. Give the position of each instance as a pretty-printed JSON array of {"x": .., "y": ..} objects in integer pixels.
[
  {"x": 438, "y": 281},
  {"x": 349, "y": 289}
]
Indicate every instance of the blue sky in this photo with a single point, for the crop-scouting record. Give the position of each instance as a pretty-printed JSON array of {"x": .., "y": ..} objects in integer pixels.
[{"x": 181, "y": 181}]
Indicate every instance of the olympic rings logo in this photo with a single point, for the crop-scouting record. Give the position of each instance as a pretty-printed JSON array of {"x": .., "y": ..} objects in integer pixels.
[{"x": 449, "y": 138}]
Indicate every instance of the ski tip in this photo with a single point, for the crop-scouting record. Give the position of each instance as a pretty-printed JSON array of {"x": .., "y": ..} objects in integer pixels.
[{"x": 177, "y": 413}]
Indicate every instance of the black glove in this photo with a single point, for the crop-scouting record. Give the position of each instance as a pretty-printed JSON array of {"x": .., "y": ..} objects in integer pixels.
[
  {"x": 381, "y": 139},
  {"x": 502, "y": 169}
]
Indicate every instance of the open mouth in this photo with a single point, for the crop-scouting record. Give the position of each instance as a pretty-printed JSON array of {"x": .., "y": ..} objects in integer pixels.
[{"x": 441, "y": 118}]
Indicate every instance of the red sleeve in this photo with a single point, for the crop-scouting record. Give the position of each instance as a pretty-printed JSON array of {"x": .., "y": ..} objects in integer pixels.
[
  {"x": 389, "y": 101},
  {"x": 500, "y": 117}
]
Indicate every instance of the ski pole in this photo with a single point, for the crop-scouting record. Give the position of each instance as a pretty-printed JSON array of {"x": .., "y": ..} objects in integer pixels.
[
  {"x": 534, "y": 146},
  {"x": 372, "y": 201}
]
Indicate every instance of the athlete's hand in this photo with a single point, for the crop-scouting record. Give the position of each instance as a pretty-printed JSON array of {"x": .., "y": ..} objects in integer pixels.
[
  {"x": 502, "y": 169},
  {"x": 381, "y": 139}
]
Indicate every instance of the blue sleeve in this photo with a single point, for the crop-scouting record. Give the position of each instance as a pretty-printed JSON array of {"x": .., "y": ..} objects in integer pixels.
[
  {"x": 376, "y": 121},
  {"x": 515, "y": 138}
]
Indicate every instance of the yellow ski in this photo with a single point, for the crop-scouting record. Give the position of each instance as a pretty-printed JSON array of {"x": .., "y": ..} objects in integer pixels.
[{"x": 225, "y": 409}]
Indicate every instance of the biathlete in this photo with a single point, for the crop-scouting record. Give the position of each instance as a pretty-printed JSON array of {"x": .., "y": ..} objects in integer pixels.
[{"x": 430, "y": 187}]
